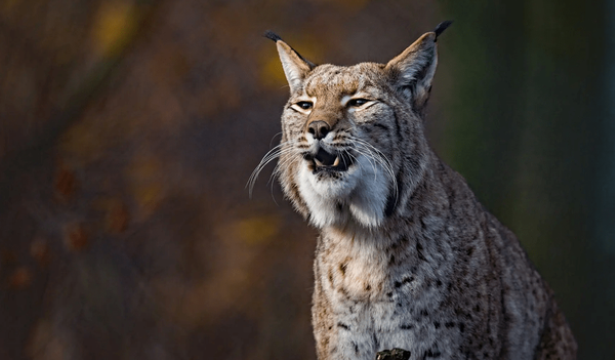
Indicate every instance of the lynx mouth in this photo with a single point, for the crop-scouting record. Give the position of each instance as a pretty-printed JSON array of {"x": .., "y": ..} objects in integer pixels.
[{"x": 324, "y": 161}]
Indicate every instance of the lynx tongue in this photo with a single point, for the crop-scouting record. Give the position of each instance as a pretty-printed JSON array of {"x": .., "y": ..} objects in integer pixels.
[{"x": 323, "y": 158}]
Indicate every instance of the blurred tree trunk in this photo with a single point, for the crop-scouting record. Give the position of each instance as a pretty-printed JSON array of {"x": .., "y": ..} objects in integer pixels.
[{"x": 526, "y": 99}]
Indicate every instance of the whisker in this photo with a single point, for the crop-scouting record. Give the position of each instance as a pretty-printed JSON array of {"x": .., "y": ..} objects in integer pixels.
[
  {"x": 374, "y": 154},
  {"x": 371, "y": 152},
  {"x": 280, "y": 165},
  {"x": 256, "y": 173},
  {"x": 273, "y": 137},
  {"x": 370, "y": 157},
  {"x": 380, "y": 156},
  {"x": 266, "y": 160},
  {"x": 277, "y": 170},
  {"x": 271, "y": 155}
]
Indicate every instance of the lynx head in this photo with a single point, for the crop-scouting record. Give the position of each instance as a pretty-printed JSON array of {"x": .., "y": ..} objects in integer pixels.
[{"x": 353, "y": 147}]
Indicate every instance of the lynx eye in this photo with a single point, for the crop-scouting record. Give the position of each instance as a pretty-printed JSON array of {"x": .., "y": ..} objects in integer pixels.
[
  {"x": 305, "y": 105},
  {"x": 357, "y": 102}
]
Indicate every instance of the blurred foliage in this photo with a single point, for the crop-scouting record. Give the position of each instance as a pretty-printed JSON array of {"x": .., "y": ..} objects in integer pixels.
[
  {"x": 114, "y": 23},
  {"x": 128, "y": 129}
]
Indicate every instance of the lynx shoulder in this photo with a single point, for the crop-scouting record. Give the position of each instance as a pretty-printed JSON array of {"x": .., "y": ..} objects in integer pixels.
[{"x": 407, "y": 257}]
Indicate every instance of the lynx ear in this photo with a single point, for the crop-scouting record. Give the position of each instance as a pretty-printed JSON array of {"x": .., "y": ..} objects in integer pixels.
[
  {"x": 412, "y": 71},
  {"x": 295, "y": 66}
]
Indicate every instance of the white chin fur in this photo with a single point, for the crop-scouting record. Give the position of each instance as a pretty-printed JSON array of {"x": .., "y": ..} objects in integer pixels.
[{"x": 362, "y": 193}]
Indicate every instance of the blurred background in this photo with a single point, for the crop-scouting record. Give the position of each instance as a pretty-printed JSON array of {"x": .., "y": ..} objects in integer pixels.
[{"x": 129, "y": 128}]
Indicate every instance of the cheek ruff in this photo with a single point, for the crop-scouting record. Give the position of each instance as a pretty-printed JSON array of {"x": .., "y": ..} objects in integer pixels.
[{"x": 359, "y": 192}]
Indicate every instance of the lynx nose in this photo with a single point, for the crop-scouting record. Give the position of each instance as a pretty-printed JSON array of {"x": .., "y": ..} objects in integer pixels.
[{"x": 319, "y": 129}]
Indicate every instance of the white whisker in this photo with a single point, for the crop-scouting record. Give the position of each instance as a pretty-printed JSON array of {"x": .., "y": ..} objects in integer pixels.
[
  {"x": 271, "y": 155},
  {"x": 371, "y": 152}
]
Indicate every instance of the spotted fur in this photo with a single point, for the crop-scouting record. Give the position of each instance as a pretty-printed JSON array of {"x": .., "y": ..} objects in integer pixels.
[{"x": 407, "y": 256}]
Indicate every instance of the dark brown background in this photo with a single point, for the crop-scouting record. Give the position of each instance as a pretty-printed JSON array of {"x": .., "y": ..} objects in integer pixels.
[{"x": 128, "y": 130}]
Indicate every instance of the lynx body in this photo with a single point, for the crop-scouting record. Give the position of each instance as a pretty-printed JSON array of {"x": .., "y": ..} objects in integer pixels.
[{"x": 407, "y": 257}]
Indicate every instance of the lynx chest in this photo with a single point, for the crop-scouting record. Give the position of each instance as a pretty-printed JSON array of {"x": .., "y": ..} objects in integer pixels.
[{"x": 378, "y": 293}]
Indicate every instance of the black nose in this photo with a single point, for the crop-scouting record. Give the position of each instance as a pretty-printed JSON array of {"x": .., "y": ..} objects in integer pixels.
[{"x": 319, "y": 129}]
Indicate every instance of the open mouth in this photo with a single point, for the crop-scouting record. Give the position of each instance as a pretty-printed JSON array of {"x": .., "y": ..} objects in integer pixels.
[{"x": 325, "y": 161}]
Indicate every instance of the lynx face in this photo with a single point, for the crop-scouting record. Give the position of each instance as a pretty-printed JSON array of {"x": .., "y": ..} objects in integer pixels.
[
  {"x": 353, "y": 147},
  {"x": 339, "y": 124}
]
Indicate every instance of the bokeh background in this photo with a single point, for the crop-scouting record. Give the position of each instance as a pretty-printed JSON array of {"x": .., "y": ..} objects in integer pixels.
[{"x": 129, "y": 128}]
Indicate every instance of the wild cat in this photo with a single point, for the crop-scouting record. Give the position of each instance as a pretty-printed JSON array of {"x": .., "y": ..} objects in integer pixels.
[{"x": 407, "y": 257}]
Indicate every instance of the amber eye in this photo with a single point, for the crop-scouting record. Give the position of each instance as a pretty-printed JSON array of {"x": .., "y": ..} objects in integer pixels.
[
  {"x": 357, "y": 102},
  {"x": 305, "y": 105}
]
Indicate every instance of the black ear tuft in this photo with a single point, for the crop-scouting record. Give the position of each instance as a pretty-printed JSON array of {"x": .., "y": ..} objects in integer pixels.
[
  {"x": 275, "y": 37},
  {"x": 441, "y": 27},
  {"x": 272, "y": 36}
]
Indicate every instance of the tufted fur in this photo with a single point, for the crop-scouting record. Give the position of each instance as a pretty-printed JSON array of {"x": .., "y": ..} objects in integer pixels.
[{"x": 407, "y": 257}]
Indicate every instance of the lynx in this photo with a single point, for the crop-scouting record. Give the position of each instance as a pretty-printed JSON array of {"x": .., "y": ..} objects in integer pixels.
[{"x": 407, "y": 257}]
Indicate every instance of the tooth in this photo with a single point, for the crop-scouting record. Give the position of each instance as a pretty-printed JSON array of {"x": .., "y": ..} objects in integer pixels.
[
  {"x": 318, "y": 163},
  {"x": 337, "y": 161}
]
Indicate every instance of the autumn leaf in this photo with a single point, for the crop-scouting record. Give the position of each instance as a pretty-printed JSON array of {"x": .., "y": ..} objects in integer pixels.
[
  {"x": 114, "y": 26},
  {"x": 39, "y": 250},
  {"x": 65, "y": 183},
  {"x": 20, "y": 278},
  {"x": 75, "y": 238},
  {"x": 146, "y": 183},
  {"x": 253, "y": 230},
  {"x": 117, "y": 217}
]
